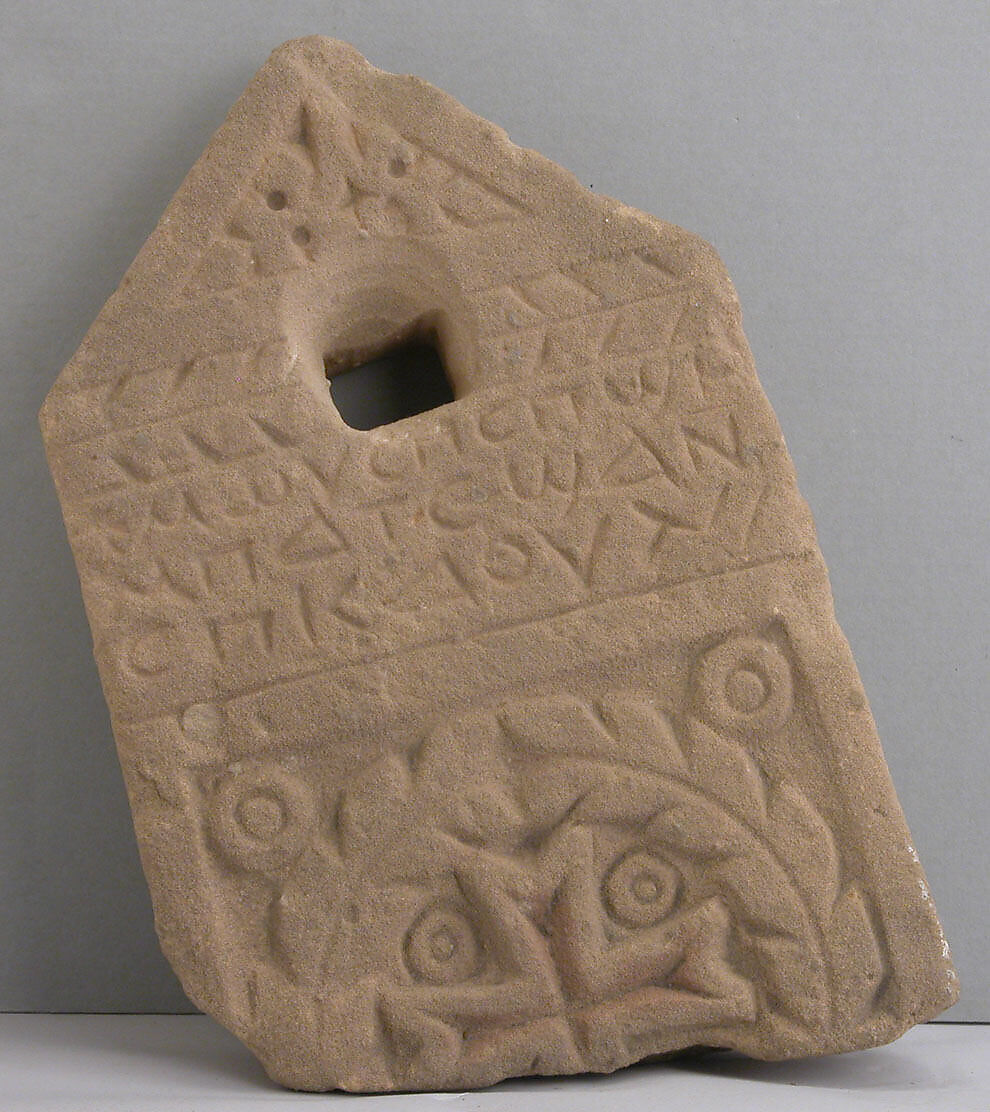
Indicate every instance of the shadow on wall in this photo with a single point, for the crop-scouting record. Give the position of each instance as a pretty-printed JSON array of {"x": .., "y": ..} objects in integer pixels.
[{"x": 76, "y": 928}]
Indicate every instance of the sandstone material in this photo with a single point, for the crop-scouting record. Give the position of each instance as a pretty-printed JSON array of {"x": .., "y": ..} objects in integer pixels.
[{"x": 513, "y": 737}]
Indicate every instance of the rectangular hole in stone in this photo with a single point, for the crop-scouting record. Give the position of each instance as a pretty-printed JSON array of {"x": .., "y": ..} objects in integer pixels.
[{"x": 405, "y": 379}]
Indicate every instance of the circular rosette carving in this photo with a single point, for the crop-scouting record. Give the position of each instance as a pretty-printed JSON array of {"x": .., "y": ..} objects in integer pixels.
[
  {"x": 441, "y": 947},
  {"x": 744, "y": 686},
  {"x": 640, "y": 889},
  {"x": 260, "y": 817}
]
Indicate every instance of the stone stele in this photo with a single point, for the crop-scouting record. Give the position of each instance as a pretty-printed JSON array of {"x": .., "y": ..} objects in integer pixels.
[{"x": 513, "y": 737}]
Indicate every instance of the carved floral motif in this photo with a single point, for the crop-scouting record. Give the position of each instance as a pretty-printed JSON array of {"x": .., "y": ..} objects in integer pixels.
[{"x": 622, "y": 871}]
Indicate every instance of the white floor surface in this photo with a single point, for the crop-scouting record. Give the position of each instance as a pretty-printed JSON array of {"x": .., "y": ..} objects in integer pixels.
[{"x": 99, "y": 1063}]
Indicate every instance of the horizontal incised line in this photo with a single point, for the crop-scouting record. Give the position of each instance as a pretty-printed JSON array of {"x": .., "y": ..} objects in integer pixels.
[
  {"x": 124, "y": 430},
  {"x": 504, "y": 627}
]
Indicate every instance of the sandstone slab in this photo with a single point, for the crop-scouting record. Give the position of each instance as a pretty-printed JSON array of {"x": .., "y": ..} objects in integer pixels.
[{"x": 516, "y": 736}]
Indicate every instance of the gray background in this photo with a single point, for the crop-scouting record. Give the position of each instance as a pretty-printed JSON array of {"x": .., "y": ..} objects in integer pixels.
[{"x": 834, "y": 152}]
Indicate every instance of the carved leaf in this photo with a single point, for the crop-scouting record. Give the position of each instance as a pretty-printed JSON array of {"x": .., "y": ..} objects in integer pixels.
[
  {"x": 725, "y": 771},
  {"x": 854, "y": 953},
  {"x": 482, "y": 815},
  {"x": 304, "y": 915},
  {"x": 468, "y": 753},
  {"x": 587, "y": 791},
  {"x": 412, "y": 1036},
  {"x": 556, "y": 725},
  {"x": 703, "y": 831},
  {"x": 645, "y": 733},
  {"x": 759, "y": 898},
  {"x": 805, "y": 846},
  {"x": 546, "y": 792},
  {"x": 793, "y": 978},
  {"x": 374, "y": 807},
  {"x": 619, "y": 795},
  {"x": 801, "y": 1042}
]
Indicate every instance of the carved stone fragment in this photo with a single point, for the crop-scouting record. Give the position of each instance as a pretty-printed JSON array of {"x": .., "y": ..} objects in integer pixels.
[{"x": 513, "y": 737}]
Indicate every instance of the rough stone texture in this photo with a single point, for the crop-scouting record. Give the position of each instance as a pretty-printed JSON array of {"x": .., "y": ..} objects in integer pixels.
[{"x": 514, "y": 737}]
